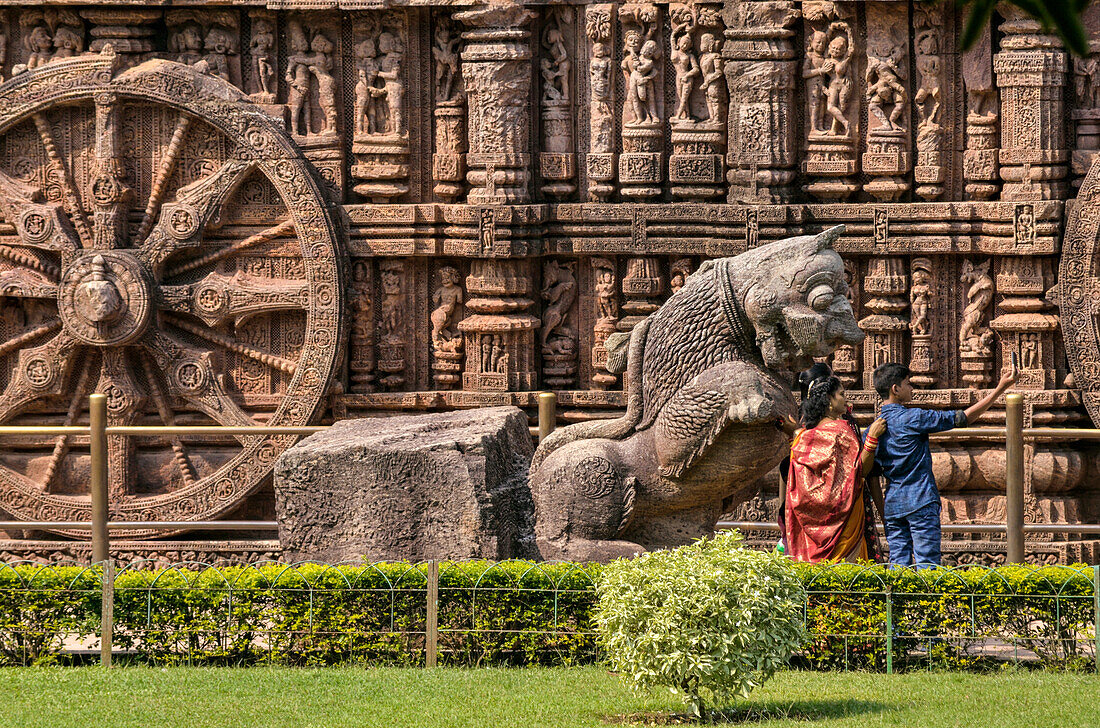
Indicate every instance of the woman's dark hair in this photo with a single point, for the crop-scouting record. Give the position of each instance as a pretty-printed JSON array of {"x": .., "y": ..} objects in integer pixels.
[
  {"x": 819, "y": 370},
  {"x": 816, "y": 404}
]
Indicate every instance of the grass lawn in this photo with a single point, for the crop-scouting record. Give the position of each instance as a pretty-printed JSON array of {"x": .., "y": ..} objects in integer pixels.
[{"x": 524, "y": 698}]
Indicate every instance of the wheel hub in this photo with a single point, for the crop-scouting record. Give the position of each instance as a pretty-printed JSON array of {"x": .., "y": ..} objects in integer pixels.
[{"x": 105, "y": 298}]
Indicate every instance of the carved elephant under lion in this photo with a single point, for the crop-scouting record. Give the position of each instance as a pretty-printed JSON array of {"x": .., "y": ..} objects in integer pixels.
[{"x": 709, "y": 374}]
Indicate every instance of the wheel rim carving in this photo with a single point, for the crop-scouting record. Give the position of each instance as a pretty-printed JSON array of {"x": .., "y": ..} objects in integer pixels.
[{"x": 128, "y": 270}]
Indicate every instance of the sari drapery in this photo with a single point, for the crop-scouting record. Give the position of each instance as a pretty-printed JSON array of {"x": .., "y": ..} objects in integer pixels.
[{"x": 825, "y": 511}]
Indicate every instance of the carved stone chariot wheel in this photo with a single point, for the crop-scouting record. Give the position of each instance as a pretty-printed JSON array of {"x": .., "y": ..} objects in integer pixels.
[
  {"x": 1078, "y": 291},
  {"x": 163, "y": 243}
]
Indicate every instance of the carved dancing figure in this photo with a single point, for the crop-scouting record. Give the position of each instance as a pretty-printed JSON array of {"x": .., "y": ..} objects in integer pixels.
[
  {"x": 389, "y": 45},
  {"x": 263, "y": 42},
  {"x": 555, "y": 67},
  {"x": 366, "y": 64},
  {"x": 884, "y": 88},
  {"x": 928, "y": 65},
  {"x": 1085, "y": 71},
  {"x": 393, "y": 313},
  {"x": 713, "y": 81},
  {"x": 920, "y": 297},
  {"x": 816, "y": 75},
  {"x": 297, "y": 78},
  {"x": 641, "y": 70},
  {"x": 447, "y": 299},
  {"x": 605, "y": 293},
  {"x": 973, "y": 336},
  {"x": 559, "y": 290},
  {"x": 39, "y": 45},
  {"x": 1029, "y": 351},
  {"x": 599, "y": 69},
  {"x": 687, "y": 70},
  {"x": 839, "y": 67},
  {"x": 445, "y": 52},
  {"x": 321, "y": 68}
]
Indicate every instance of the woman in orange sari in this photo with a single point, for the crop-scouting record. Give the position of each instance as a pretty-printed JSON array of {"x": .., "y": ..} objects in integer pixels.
[{"x": 824, "y": 495}]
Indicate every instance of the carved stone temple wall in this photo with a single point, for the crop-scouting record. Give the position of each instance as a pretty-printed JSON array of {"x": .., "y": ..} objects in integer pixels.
[{"x": 297, "y": 212}]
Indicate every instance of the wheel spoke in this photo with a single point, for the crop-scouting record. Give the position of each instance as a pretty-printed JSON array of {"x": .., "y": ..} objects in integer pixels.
[
  {"x": 182, "y": 222},
  {"x": 261, "y": 237},
  {"x": 275, "y": 362},
  {"x": 164, "y": 172},
  {"x": 61, "y": 445},
  {"x": 183, "y": 462},
  {"x": 38, "y": 224},
  {"x": 23, "y": 284},
  {"x": 218, "y": 299},
  {"x": 68, "y": 189},
  {"x": 110, "y": 195},
  {"x": 124, "y": 403},
  {"x": 26, "y": 337},
  {"x": 21, "y": 258},
  {"x": 41, "y": 371},
  {"x": 190, "y": 375}
]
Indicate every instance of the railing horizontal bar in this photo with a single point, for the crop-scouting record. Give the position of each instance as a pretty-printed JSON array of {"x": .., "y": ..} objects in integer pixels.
[
  {"x": 1063, "y": 433},
  {"x": 136, "y": 430},
  {"x": 44, "y": 430},
  {"x": 1080, "y": 528},
  {"x": 147, "y": 525}
]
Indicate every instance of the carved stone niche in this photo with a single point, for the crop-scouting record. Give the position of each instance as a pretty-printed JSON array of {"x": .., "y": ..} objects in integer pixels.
[
  {"x": 887, "y": 159},
  {"x": 1024, "y": 324},
  {"x": 208, "y": 40},
  {"x": 380, "y": 141},
  {"x": 982, "y": 120},
  {"x": 606, "y": 290},
  {"x": 600, "y": 163},
  {"x": 641, "y": 164},
  {"x": 557, "y": 160},
  {"x": 263, "y": 51},
  {"x": 449, "y": 157},
  {"x": 313, "y": 65},
  {"x": 698, "y": 121},
  {"x": 975, "y": 336},
  {"x": 393, "y": 326},
  {"x": 361, "y": 358},
  {"x": 1086, "y": 99},
  {"x": 46, "y": 35},
  {"x": 832, "y": 112},
  {"x": 500, "y": 332},
  {"x": 886, "y": 286},
  {"x": 447, "y": 341}
]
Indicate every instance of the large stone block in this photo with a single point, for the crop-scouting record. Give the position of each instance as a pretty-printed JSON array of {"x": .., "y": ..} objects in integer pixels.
[{"x": 443, "y": 485}]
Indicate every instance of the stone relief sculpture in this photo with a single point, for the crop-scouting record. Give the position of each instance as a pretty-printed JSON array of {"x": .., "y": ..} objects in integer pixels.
[
  {"x": 557, "y": 161},
  {"x": 828, "y": 74},
  {"x": 642, "y": 161},
  {"x": 601, "y": 159},
  {"x": 446, "y": 337},
  {"x": 449, "y": 158},
  {"x": 699, "y": 423},
  {"x": 975, "y": 338},
  {"x": 558, "y": 338},
  {"x": 262, "y": 51}
]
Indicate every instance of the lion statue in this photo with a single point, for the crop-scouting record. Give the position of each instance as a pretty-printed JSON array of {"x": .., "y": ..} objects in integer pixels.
[{"x": 708, "y": 377}]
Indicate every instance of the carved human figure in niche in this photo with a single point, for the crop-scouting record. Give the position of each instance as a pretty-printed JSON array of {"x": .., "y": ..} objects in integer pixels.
[
  {"x": 816, "y": 75},
  {"x": 393, "y": 305},
  {"x": 600, "y": 73},
  {"x": 920, "y": 298},
  {"x": 262, "y": 46},
  {"x": 838, "y": 65},
  {"x": 927, "y": 97},
  {"x": 486, "y": 353},
  {"x": 555, "y": 65},
  {"x": 445, "y": 52},
  {"x": 393, "y": 53},
  {"x": 1029, "y": 351},
  {"x": 973, "y": 337},
  {"x": 366, "y": 110},
  {"x": 1025, "y": 224},
  {"x": 298, "y": 78},
  {"x": 447, "y": 300},
  {"x": 218, "y": 44},
  {"x": 39, "y": 46},
  {"x": 606, "y": 293},
  {"x": 710, "y": 63},
  {"x": 1085, "y": 81},
  {"x": 686, "y": 66},
  {"x": 321, "y": 68},
  {"x": 186, "y": 43},
  {"x": 885, "y": 90},
  {"x": 68, "y": 42},
  {"x": 559, "y": 290},
  {"x": 641, "y": 69}
]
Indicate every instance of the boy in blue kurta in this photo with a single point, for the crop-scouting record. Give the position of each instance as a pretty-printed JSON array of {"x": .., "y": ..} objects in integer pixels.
[{"x": 912, "y": 517}]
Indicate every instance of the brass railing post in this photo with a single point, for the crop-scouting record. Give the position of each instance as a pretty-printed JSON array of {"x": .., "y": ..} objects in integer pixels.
[
  {"x": 1014, "y": 477},
  {"x": 97, "y": 406},
  {"x": 431, "y": 627},
  {"x": 548, "y": 413}
]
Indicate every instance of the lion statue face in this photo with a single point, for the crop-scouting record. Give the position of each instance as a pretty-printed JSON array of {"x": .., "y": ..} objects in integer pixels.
[{"x": 798, "y": 301}]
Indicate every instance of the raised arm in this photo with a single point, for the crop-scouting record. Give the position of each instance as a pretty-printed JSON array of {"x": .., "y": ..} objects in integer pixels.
[
  {"x": 867, "y": 455},
  {"x": 976, "y": 410}
]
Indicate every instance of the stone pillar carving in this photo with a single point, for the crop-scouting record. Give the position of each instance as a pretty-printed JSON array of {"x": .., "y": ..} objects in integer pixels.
[
  {"x": 932, "y": 100},
  {"x": 922, "y": 296},
  {"x": 832, "y": 112},
  {"x": 982, "y": 116},
  {"x": 696, "y": 168},
  {"x": 500, "y": 332},
  {"x": 129, "y": 31},
  {"x": 447, "y": 312},
  {"x": 642, "y": 289},
  {"x": 975, "y": 337},
  {"x": 449, "y": 159},
  {"x": 557, "y": 160},
  {"x": 313, "y": 65},
  {"x": 558, "y": 335},
  {"x": 846, "y": 357},
  {"x": 1031, "y": 74},
  {"x": 1024, "y": 324},
  {"x": 393, "y": 324},
  {"x": 887, "y": 159},
  {"x": 1086, "y": 100},
  {"x": 887, "y": 285},
  {"x": 380, "y": 139},
  {"x": 607, "y": 318},
  {"x": 641, "y": 165},
  {"x": 361, "y": 347},
  {"x": 601, "y": 159},
  {"x": 496, "y": 70},
  {"x": 761, "y": 66}
]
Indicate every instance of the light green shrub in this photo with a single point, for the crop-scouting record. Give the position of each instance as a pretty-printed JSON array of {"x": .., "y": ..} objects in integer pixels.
[{"x": 707, "y": 620}]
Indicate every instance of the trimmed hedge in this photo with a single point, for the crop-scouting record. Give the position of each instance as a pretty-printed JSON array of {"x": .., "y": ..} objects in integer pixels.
[{"x": 525, "y": 614}]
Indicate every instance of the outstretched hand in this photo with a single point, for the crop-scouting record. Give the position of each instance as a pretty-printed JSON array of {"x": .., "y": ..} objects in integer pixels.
[
  {"x": 1008, "y": 378},
  {"x": 877, "y": 428}
]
